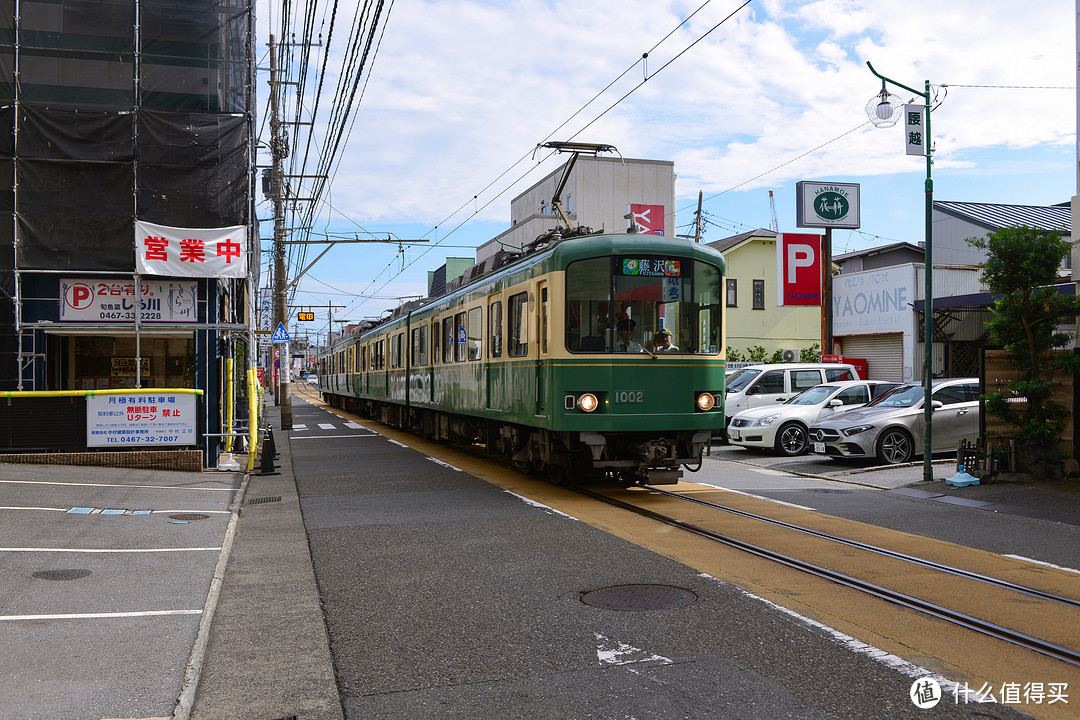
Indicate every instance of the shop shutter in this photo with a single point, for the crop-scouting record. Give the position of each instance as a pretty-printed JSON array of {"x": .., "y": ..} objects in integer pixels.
[{"x": 884, "y": 354}]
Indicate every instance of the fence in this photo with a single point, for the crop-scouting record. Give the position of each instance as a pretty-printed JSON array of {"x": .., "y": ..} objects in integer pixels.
[{"x": 998, "y": 370}]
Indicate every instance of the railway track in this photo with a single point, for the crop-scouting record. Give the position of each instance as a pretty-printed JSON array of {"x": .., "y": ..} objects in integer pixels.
[{"x": 986, "y": 627}]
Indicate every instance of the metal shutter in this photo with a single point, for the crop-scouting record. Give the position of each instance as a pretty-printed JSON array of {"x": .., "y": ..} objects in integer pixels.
[{"x": 884, "y": 354}]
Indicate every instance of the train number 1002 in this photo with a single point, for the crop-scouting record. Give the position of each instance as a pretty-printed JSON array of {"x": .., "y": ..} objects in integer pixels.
[{"x": 629, "y": 396}]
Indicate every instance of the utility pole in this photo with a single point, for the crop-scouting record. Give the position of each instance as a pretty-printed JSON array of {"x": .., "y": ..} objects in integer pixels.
[
  {"x": 283, "y": 391},
  {"x": 697, "y": 218}
]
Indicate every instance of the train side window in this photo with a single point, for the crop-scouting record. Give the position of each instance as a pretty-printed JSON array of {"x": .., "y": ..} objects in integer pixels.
[
  {"x": 459, "y": 335},
  {"x": 419, "y": 346},
  {"x": 434, "y": 342},
  {"x": 476, "y": 334},
  {"x": 495, "y": 317},
  {"x": 448, "y": 340},
  {"x": 363, "y": 359},
  {"x": 519, "y": 325}
]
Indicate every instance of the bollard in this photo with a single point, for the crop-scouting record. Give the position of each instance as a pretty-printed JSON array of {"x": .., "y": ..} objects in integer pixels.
[{"x": 267, "y": 467}]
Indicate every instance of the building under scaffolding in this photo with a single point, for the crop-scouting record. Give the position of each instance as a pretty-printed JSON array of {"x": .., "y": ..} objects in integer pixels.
[{"x": 116, "y": 112}]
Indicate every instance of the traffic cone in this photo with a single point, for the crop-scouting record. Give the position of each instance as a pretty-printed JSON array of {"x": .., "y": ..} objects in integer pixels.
[
  {"x": 273, "y": 445},
  {"x": 267, "y": 467}
]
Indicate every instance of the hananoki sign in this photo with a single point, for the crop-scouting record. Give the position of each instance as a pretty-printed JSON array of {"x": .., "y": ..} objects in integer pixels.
[{"x": 827, "y": 205}]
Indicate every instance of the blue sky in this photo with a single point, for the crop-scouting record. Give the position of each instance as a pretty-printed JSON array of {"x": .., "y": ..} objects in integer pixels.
[{"x": 461, "y": 91}]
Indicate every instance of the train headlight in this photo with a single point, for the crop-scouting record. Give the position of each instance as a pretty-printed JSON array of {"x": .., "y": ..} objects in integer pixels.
[
  {"x": 587, "y": 402},
  {"x": 706, "y": 401}
]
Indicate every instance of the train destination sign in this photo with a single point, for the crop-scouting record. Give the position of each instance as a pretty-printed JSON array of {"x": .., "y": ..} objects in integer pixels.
[{"x": 651, "y": 267}]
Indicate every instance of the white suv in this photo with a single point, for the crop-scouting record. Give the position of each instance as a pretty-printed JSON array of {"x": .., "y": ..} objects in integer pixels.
[{"x": 778, "y": 382}]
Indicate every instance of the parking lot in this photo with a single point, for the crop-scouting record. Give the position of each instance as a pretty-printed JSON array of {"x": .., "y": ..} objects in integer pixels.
[{"x": 104, "y": 575}]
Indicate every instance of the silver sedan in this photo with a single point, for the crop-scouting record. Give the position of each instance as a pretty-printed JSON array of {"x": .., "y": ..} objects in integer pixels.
[{"x": 891, "y": 427}]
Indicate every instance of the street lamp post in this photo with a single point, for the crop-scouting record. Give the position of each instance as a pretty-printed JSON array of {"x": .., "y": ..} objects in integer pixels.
[{"x": 885, "y": 113}]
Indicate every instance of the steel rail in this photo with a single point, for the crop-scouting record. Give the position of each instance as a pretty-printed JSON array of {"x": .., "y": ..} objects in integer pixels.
[
  {"x": 948, "y": 569},
  {"x": 1044, "y": 647}
]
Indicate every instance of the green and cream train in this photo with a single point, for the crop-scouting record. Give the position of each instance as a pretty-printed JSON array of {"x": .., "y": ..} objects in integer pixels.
[{"x": 549, "y": 359}]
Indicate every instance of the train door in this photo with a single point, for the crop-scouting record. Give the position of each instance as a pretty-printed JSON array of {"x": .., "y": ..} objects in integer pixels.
[
  {"x": 542, "y": 331},
  {"x": 496, "y": 371}
]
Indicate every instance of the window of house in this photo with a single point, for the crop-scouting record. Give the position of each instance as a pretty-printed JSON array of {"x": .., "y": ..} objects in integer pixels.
[
  {"x": 759, "y": 294},
  {"x": 732, "y": 292}
]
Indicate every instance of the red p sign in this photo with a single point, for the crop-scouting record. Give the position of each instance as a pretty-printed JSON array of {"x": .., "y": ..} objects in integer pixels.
[{"x": 799, "y": 264}]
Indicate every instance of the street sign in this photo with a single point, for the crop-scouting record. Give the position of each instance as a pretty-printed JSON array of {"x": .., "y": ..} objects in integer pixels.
[{"x": 280, "y": 335}]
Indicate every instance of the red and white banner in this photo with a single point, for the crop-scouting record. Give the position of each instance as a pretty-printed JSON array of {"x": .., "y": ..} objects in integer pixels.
[
  {"x": 190, "y": 252},
  {"x": 798, "y": 264},
  {"x": 649, "y": 219}
]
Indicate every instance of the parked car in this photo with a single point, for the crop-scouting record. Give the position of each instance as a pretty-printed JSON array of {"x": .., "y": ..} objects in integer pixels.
[
  {"x": 784, "y": 427},
  {"x": 777, "y": 383},
  {"x": 891, "y": 427}
]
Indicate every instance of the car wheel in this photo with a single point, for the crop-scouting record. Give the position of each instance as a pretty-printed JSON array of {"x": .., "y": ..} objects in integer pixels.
[
  {"x": 791, "y": 440},
  {"x": 895, "y": 446}
]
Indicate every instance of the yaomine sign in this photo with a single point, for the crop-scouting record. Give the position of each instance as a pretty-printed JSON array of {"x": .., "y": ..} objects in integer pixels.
[{"x": 826, "y": 205}]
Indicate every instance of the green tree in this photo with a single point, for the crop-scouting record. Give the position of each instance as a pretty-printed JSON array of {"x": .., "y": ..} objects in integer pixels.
[{"x": 1021, "y": 266}]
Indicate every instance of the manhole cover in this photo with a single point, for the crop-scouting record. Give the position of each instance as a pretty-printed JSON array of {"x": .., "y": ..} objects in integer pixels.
[
  {"x": 639, "y": 597},
  {"x": 189, "y": 516},
  {"x": 831, "y": 491},
  {"x": 69, "y": 574}
]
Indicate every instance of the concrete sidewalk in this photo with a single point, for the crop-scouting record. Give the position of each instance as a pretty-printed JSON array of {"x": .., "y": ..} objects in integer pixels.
[{"x": 267, "y": 654}]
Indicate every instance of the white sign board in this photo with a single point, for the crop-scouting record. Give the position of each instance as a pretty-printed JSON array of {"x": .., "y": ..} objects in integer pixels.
[
  {"x": 89, "y": 300},
  {"x": 874, "y": 301},
  {"x": 915, "y": 129},
  {"x": 141, "y": 418},
  {"x": 190, "y": 252},
  {"x": 827, "y": 205}
]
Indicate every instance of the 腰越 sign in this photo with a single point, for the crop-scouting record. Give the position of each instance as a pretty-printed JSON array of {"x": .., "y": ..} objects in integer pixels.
[
  {"x": 190, "y": 252},
  {"x": 89, "y": 300},
  {"x": 826, "y": 205},
  {"x": 141, "y": 418},
  {"x": 915, "y": 129},
  {"x": 798, "y": 262}
]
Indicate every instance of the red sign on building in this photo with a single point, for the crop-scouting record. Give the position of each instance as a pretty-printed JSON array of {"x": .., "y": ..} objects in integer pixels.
[
  {"x": 798, "y": 262},
  {"x": 649, "y": 219}
]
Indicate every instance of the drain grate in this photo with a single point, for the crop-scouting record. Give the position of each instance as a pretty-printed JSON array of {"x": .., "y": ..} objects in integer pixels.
[
  {"x": 261, "y": 500},
  {"x": 639, "y": 597},
  {"x": 189, "y": 516},
  {"x": 68, "y": 574},
  {"x": 831, "y": 491}
]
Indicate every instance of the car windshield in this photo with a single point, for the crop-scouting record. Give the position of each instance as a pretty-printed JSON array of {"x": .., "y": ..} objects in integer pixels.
[
  {"x": 741, "y": 379},
  {"x": 902, "y": 396},
  {"x": 813, "y": 396}
]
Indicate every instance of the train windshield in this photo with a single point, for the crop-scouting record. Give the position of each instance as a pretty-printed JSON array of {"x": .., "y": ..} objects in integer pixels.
[{"x": 634, "y": 304}]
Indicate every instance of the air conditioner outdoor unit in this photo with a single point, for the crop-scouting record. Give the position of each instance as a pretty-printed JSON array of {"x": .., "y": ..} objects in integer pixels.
[{"x": 789, "y": 355}]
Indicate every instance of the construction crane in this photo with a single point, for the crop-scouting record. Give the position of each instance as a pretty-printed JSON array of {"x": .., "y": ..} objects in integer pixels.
[{"x": 775, "y": 226}]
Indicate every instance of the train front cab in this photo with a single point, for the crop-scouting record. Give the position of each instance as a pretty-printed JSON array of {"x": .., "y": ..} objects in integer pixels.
[{"x": 641, "y": 412}]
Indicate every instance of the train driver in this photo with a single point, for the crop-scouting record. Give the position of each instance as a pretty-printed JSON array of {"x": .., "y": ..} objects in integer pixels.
[
  {"x": 627, "y": 343},
  {"x": 662, "y": 341}
]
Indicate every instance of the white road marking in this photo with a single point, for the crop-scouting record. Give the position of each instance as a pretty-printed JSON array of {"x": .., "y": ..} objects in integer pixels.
[
  {"x": 109, "y": 550},
  {"x": 299, "y": 426},
  {"x": 759, "y": 497},
  {"x": 355, "y": 426},
  {"x": 1044, "y": 564},
  {"x": 324, "y": 437},
  {"x": 327, "y": 426},
  {"x": 397, "y": 443},
  {"x": 96, "y": 616},
  {"x": 542, "y": 506},
  {"x": 444, "y": 464},
  {"x": 118, "y": 485},
  {"x": 613, "y": 652}
]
